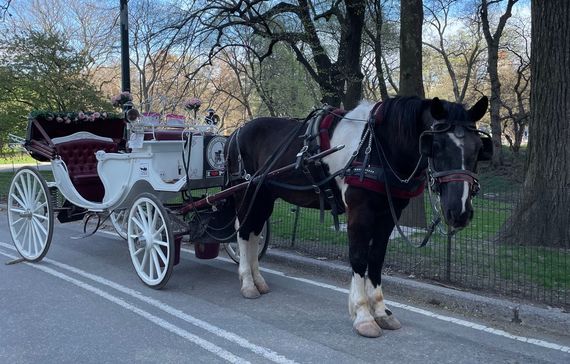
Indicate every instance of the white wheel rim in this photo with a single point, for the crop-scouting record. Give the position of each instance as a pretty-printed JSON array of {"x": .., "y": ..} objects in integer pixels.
[
  {"x": 233, "y": 247},
  {"x": 149, "y": 241},
  {"x": 119, "y": 219},
  {"x": 28, "y": 215}
]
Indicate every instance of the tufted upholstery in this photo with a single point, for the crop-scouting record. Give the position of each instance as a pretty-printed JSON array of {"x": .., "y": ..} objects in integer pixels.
[{"x": 79, "y": 156}]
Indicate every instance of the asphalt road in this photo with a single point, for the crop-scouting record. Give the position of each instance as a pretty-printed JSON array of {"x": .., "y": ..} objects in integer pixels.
[{"x": 85, "y": 304}]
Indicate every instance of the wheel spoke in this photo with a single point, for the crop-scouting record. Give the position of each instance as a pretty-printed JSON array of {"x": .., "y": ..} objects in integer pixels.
[
  {"x": 26, "y": 240},
  {"x": 145, "y": 257},
  {"x": 34, "y": 190},
  {"x": 156, "y": 263},
  {"x": 22, "y": 195},
  {"x": 142, "y": 214},
  {"x": 36, "y": 239},
  {"x": 19, "y": 211},
  {"x": 138, "y": 251},
  {"x": 18, "y": 200},
  {"x": 154, "y": 218},
  {"x": 29, "y": 187},
  {"x": 21, "y": 228},
  {"x": 159, "y": 231},
  {"x": 40, "y": 206},
  {"x": 138, "y": 223},
  {"x": 160, "y": 254},
  {"x": 39, "y": 225},
  {"x": 151, "y": 266},
  {"x": 161, "y": 243},
  {"x": 41, "y": 217}
]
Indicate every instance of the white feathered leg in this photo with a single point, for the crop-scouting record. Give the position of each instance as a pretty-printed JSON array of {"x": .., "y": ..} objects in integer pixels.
[
  {"x": 252, "y": 283},
  {"x": 359, "y": 309},
  {"x": 382, "y": 315}
]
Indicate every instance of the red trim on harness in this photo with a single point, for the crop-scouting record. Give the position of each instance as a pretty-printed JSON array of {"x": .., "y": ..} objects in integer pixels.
[
  {"x": 325, "y": 125},
  {"x": 377, "y": 186}
]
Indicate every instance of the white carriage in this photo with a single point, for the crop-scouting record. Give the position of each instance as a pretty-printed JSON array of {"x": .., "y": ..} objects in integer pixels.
[{"x": 139, "y": 174}]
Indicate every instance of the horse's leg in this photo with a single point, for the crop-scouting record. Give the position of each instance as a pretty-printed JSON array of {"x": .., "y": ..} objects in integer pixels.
[
  {"x": 384, "y": 226},
  {"x": 360, "y": 226},
  {"x": 252, "y": 282}
]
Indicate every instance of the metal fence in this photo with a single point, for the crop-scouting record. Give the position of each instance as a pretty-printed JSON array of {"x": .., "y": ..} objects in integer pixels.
[{"x": 477, "y": 258}]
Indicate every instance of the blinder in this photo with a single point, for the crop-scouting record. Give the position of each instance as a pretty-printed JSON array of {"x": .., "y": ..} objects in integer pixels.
[{"x": 457, "y": 175}]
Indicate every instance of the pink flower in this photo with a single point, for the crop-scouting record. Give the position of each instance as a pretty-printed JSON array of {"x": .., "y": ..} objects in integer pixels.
[
  {"x": 104, "y": 115},
  {"x": 81, "y": 115},
  {"x": 96, "y": 115},
  {"x": 67, "y": 120},
  {"x": 59, "y": 119}
]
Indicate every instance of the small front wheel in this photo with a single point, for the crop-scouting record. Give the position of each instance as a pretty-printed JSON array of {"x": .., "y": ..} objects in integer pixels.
[
  {"x": 119, "y": 220},
  {"x": 30, "y": 214},
  {"x": 150, "y": 240}
]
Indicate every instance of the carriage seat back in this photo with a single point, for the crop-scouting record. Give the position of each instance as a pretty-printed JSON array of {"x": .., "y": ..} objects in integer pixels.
[{"x": 78, "y": 153}]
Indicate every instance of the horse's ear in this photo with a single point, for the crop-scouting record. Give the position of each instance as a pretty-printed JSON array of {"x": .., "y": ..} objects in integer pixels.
[
  {"x": 437, "y": 110},
  {"x": 479, "y": 109}
]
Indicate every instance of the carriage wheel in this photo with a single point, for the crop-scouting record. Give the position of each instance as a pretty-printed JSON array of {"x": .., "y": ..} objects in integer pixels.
[
  {"x": 119, "y": 219},
  {"x": 30, "y": 214},
  {"x": 150, "y": 240},
  {"x": 232, "y": 248}
]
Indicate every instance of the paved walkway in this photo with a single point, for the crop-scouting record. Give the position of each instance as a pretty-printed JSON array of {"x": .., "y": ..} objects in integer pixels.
[{"x": 43, "y": 166}]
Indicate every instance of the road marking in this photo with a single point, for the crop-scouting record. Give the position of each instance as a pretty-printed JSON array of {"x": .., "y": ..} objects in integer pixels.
[
  {"x": 212, "y": 348},
  {"x": 243, "y": 342},
  {"x": 460, "y": 322}
]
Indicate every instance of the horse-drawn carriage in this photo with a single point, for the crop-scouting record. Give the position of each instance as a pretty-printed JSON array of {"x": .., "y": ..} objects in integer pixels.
[{"x": 139, "y": 174}]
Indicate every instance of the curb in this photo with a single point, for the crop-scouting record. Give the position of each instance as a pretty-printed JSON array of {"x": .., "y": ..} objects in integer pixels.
[{"x": 507, "y": 312}]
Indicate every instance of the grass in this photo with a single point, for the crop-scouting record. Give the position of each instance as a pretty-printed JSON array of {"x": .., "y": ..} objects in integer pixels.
[
  {"x": 6, "y": 179},
  {"x": 16, "y": 158}
]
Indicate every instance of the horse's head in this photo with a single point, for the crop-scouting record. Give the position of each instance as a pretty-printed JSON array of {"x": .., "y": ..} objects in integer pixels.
[{"x": 453, "y": 146}]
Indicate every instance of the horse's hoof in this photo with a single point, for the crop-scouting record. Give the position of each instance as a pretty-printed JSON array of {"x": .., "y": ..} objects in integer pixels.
[
  {"x": 263, "y": 288},
  {"x": 250, "y": 292},
  {"x": 388, "y": 322},
  {"x": 368, "y": 329}
]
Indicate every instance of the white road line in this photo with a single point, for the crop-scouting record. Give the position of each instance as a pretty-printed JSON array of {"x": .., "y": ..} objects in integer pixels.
[
  {"x": 212, "y": 348},
  {"x": 465, "y": 323},
  {"x": 243, "y": 342}
]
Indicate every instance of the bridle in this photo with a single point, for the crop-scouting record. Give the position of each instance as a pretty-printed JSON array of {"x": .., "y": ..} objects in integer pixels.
[{"x": 437, "y": 178}]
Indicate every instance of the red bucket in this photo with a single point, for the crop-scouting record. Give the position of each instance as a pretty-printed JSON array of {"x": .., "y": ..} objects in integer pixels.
[{"x": 206, "y": 251}]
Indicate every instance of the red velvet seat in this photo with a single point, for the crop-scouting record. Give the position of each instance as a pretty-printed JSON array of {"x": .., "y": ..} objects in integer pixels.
[{"x": 79, "y": 156}]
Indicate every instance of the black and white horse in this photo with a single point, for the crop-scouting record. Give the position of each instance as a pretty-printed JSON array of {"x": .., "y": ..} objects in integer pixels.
[{"x": 385, "y": 139}]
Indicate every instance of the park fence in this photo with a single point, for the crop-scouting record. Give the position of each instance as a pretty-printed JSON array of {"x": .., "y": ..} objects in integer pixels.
[{"x": 477, "y": 258}]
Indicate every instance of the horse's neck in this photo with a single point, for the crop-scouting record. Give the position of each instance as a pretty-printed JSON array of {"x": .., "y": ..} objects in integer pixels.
[{"x": 349, "y": 134}]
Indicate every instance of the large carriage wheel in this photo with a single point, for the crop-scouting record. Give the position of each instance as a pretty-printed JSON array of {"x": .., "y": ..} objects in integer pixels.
[
  {"x": 30, "y": 214},
  {"x": 119, "y": 220},
  {"x": 232, "y": 248},
  {"x": 150, "y": 240}
]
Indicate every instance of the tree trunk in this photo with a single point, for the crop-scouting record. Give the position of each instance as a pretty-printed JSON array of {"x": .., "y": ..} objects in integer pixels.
[
  {"x": 543, "y": 216},
  {"x": 495, "y": 101},
  {"x": 411, "y": 21},
  {"x": 411, "y": 84},
  {"x": 352, "y": 38}
]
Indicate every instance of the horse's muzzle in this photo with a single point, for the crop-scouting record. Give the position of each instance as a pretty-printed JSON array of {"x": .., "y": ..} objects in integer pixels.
[{"x": 458, "y": 219}]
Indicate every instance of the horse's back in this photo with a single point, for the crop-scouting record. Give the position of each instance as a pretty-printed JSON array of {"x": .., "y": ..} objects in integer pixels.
[{"x": 261, "y": 138}]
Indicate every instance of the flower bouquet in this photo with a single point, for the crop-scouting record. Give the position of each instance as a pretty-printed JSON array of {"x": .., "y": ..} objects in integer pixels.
[
  {"x": 193, "y": 104},
  {"x": 121, "y": 99}
]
